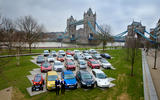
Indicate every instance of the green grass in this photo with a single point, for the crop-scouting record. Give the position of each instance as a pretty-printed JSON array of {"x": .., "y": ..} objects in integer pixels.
[{"x": 126, "y": 86}]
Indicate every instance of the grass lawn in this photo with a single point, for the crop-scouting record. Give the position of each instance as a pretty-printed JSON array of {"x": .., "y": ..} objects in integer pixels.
[{"x": 127, "y": 87}]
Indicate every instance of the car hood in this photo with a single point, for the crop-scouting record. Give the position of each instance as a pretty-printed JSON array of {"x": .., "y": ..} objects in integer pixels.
[
  {"x": 87, "y": 80},
  {"x": 82, "y": 66},
  {"x": 59, "y": 66},
  {"x": 106, "y": 64},
  {"x": 51, "y": 83},
  {"x": 103, "y": 81},
  {"x": 70, "y": 81},
  {"x": 95, "y": 64}
]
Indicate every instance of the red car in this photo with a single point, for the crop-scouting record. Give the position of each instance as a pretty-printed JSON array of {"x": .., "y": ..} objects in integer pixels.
[
  {"x": 93, "y": 64},
  {"x": 46, "y": 66},
  {"x": 60, "y": 58},
  {"x": 69, "y": 52},
  {"x": 38, "y": 82},
  {"x": 70, "y": 65}
]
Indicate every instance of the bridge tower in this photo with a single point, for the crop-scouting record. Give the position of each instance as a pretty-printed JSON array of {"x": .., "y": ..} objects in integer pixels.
[
  {"x": 131, "y": 32},
  {"x": 71, "y": 28},
  {"x": 89, "y": 17}
]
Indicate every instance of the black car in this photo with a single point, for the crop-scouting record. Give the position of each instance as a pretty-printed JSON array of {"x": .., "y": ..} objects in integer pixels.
[
  {"x": 106, "y": 55},
  {"x": 85, "y": 78},
  {"x": 40, "y": 59}
]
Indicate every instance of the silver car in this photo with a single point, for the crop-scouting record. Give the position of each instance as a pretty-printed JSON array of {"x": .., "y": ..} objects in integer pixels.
[
  {"x": 58, "y": 66},
  {"x": 105, "y": 64},
  {"x": 82, "y": 64}
]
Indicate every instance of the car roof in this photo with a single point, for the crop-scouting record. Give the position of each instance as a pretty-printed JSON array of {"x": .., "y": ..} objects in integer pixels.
[
  {"x": 97, "y": 71},
  {"x": 52, "y": 73},
  {"x": 57, "y": 61},
  {"x": 68, "y": 72}
]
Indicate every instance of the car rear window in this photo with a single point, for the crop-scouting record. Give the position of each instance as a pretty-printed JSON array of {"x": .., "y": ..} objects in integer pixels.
[
  {"x": 37, "y": 78},
  {"x": 69, "y": 76}
]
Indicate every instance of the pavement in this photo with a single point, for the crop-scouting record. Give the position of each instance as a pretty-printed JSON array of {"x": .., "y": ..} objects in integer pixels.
[
  {"x": 6, "y": 94},
  {"x": 155, "y": 73},
  {"x": 37, "y": 71}
]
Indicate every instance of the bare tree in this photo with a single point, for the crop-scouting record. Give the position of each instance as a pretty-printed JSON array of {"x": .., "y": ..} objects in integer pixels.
[
  {"x": 104, "y": 35},
  {"x": 32, "y": 30},
  {"x": 8, "y": 30}
]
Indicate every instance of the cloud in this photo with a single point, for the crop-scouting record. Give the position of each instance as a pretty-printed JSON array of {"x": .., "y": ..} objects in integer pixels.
[{"x": 54, "y": 13}]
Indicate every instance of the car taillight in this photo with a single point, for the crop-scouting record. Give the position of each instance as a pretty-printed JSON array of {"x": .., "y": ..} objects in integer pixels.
[
  {"x": 34, "y": 83},
  {"x": 40, "y": 82}
]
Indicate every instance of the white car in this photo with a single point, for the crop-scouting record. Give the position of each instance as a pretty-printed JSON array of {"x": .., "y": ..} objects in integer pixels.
[
  {"x": 58, "y": 66},
  {"x": 87, "y": 56},
  {"x": 61, "y": 52},
  {"x": 92, "y": 51},
  {"x": 50, "y": 59},
  {"x": 77, "y": 52},
  {"x": 100, "y": 78},
  {"x": 46, "y": 53},
  {"x": 105, "y": 64},
  {"x": 69, "y": 57}
]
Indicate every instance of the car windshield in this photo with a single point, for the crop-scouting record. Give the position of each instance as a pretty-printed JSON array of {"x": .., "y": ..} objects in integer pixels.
[
  {"x": 86, "y": 76},
  {"x": 104, "y": 61},
  {"x": 82, "y": 62},
  {"x": 69, "y": 76},
  {"x": 61, "y": 51},
  {"x": 52, "y": 77},
  {"x": 57, "y": 63},
  {"x": 93, "y": 62},
  {"x": 101, "y": 75},
  {"x": 69, "y": 51},
  {"x": 97, "y": 54},
  {"x": 87, "y": 54},
  {"x": 50, "y": 57},
  {"x": 46, "y": 51},
  {"x": 69, "y": 56},
  {"x": 60, "y": 56},
  {"x": 37, "y": 78},
  {"x": 53, "y": 51},
  {"x": 45, "y": 65},
  {"x": 70, "y": 63}
]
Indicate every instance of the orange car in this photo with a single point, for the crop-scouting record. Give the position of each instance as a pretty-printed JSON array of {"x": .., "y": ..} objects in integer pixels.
[{"x": 60, "y": 58}]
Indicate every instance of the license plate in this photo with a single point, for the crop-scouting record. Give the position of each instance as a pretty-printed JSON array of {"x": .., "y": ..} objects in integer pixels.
[
  {"x": 71, "y": 86},
  {"x": 88, "y": 85},
  {"x": 37, "y": 89}
]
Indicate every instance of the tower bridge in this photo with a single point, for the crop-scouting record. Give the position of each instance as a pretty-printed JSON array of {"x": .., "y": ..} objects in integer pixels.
[{"x": 88, "y": 34}]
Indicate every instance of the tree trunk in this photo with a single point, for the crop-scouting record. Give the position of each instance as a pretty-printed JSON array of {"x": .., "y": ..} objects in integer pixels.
[
  {"x": 30, "y": 47},
  {"x": 132, "y": 62},
  {"x": 18, "y": 57},
  {"x": 155, "y": 57}
]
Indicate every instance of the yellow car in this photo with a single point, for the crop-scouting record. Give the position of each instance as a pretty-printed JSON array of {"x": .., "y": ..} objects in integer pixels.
[{"x": 50, "y": 79}]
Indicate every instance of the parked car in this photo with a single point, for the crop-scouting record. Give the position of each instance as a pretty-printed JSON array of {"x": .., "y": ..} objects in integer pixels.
[
  {"x": 38, "y": 82},
  {"x": 82, "y": 64},
  {"x": 80, "y": 58},
  {"x": 54, "y": 53},
  {"x": 76, "y": 56},
  {"x": 96, "y": 56},
  {"x": 46, "y": 66},
  {"x": 61, "y": 52},
  {"x": 77, "y": 52},
  {"x": 58, "y": 66},
  {"x": 93, "y": 63},
  {"x": 69, "y": 52},
  {"x": 69, "y": 78},
  {"x": 46, "y": 53},
  {"x": 106, "y": 55},
  {"x": 70, "y": 65},
  {"x": 40, "y": 59},
  {"x": 100, "y": 78},
  {"x": 105, "y": 64},
  {"x": 85, "y": 51},
  {"x": 51, "y": 76},
  {"x": 92, "y": 51},
  {"x": 85, "y": 78},
  {"x": 70, "y": 57},
  {"x": 60, "y": 58},
  {"x": 87, "y": 56},
  {"x": 50, "y": 59}
]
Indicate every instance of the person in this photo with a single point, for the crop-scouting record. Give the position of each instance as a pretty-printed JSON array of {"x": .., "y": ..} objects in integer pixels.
[
  {"x": 63, "y": 83},
  {"x": 49, "y": 50},
  {"x": 57, "y": 83}
]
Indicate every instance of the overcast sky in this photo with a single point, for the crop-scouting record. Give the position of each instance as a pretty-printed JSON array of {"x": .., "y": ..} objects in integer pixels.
[{"x": 54, "y": 13}]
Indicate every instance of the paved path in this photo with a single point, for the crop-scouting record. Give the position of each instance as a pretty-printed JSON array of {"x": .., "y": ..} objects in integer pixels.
[
  {"x": 6, "y": 94},
  {"x": 154, "y": 73}
]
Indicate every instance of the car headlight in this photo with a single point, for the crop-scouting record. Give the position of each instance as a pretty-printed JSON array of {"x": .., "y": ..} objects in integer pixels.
[{"x": 83, "y": 83}]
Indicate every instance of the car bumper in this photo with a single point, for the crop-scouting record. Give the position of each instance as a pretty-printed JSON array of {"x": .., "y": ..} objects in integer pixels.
[
  {"x": 74, "y": 86},
  {"x": 70, "y": 68},
  {"x": 88, "y": 85},
  {"x": 103, "y": 85}
]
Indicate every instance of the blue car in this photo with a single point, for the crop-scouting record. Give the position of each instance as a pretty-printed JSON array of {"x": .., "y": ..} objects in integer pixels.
[
  {"x": 106, "y": 55},
  {"x": 69, "y": 78}
]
